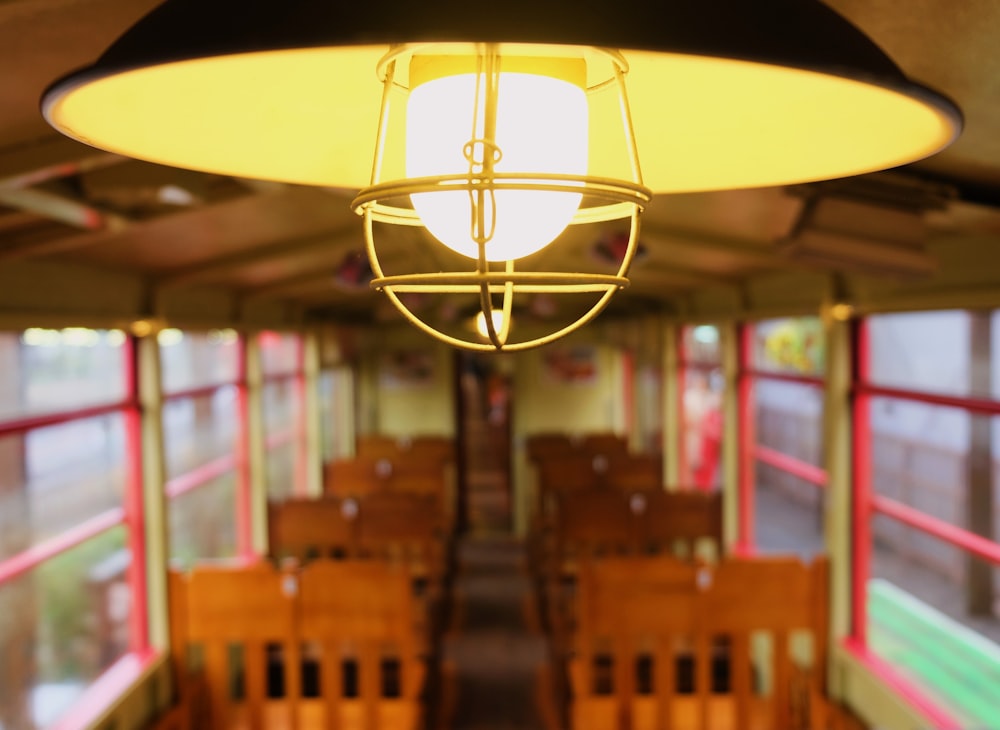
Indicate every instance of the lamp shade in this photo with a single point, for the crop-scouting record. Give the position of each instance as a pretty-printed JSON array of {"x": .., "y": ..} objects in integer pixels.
[{"x": 723, "y": 93}]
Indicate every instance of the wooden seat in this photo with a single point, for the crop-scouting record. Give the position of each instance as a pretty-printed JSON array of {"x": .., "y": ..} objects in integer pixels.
[
  {"x": 405, "y": 529},
  {"x": 304, "y": 529},
  {"x": 642, "y": 621},
  {"x": 431, "y": 448},
  {"x": 330, "y": 646}
]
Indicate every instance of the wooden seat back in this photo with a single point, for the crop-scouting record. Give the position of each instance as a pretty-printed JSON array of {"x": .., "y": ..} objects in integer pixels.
[
  {"x": 641, "y": 621},
  {"x": 431, "y": 448},
  {"x": 216, "y": 607},
  {"x": 330, "y": 646},
  {"x": 678, "y": 519},
  {"x": 356, "y": 477},
  {"x": 304, "y": 529},
  {"x": 362, "y": 620}
]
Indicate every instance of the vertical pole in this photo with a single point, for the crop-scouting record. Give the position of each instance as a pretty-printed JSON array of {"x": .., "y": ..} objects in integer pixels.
[
  {"x": 155, "y": 505},
  {"x": 244, "y": 482},
  {"x": 747, "y": 442},
  {"x": 134, "y": 502},
  {"x": 837, "y": 434},
  {"x": 861, "y": 499},
  {"x": 979, "y": 505}
]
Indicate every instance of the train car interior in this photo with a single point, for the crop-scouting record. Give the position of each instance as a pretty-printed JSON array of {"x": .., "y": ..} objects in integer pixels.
[{"x": 755, "y": 487}]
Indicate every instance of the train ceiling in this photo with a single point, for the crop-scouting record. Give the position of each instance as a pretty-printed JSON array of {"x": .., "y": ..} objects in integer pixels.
[{"x": 296, "y": 248}]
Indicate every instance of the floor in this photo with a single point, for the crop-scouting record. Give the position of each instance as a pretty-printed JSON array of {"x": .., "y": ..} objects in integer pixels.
[{"x": 495, "y": 648}]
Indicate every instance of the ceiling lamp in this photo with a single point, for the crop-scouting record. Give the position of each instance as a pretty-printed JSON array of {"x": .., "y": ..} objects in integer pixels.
[{"x": 495, "y": 127}]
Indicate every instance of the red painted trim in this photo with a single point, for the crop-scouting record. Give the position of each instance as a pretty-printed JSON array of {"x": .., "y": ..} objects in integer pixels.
[
  {"x": 861, "y": 459},
  {"x": 969, "y": 541},
  {"x": 203, "y": 391},
  {"x": 302, "y": 452},
  {"x": 134, "y": 504},
  {"x": 64, "y": 541},
  {"x": 108, "y": 689},
  {"x": 746, "y": 539},
  {"x": 199, "y": 476},
  {"x": 812, "y": 380},
  {"x": 937, "y": 718},
  {"x": 30, "y": 423},
  {"x": 981, "y": 406},
  {"x": 684, "y": 469},
  {"x": 796, "y": 467},
  {"x": 244, "y": 483}
]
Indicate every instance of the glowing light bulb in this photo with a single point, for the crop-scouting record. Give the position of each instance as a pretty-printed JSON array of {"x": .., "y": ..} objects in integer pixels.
[
  {"x": 496, "y": 316},
  {"x": 541, "y": 128}
]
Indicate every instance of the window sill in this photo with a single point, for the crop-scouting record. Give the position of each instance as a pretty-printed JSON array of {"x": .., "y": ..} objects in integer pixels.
[
  {"x": 105, "y": 695},
  {"x": 902, "y": 689}
]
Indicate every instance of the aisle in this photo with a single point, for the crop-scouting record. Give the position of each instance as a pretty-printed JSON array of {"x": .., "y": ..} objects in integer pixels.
[{"x": 495, "y": 647}]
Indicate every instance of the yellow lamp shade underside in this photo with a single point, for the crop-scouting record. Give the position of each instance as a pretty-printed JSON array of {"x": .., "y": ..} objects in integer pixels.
[{"x": 311, "y": 117}]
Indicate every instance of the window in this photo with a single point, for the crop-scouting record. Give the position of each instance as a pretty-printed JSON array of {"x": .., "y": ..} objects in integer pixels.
[
  {"x": 204, "y": 444},
  {"x": 926, "y": 459},
  {"x": 781, "y": 407},
  {"x": 701, "y": 386},
  {"x": 71, "y": 524},
  {"x": 284, "y": 413},
  {"x": 336, "y": 413}
]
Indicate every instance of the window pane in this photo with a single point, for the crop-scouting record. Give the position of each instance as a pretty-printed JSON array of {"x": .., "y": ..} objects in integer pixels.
[
  {"x": 203, "y": 521},
  {"x": 336, "y": 408},
  {"x": 197, "y": 359},
  {"x": 281, "y": 475},
  {"x": 199, "y": 430},
  {"x": 701, "y": 344},
  {"x": 788, "y": 419},
  {"x": 61, "y": 626},
  {"x": 926, "y": 351},
  {"x": 279, "y": 353},
  {"x": 282, "y": 418},
  {"x": 47, "y": 371},
  {"x": 282, "y": 406},
  {"x": 52, "y": 479},
  {"x": 793, "y": 345},
  {"x": 702, "y": 429},
  {"x": 920, "y": 457}
]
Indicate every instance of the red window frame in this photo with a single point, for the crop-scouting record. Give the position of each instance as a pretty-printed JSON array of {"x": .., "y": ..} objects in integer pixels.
[
  {"x": 750, "y": 452},
  {"x": 865, "y": 503},
  {"x": 131, "y": 516},
  {"x": 238, "y": 461}
]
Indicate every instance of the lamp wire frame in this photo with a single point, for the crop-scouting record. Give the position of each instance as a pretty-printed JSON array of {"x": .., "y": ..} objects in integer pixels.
[{"x": 618, "y": 199}]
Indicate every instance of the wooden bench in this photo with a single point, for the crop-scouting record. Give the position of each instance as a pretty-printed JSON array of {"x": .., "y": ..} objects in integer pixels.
[
  {"x": 572, "y": 474},
  {"x": 666, "y": 644},
  {"x": 431, "y": 448},
  {"x": 604, "y": 522},
  {"x": 541, "y": 446},
  {"x": 400, "y": 528},
  {"x": 414, "y": 474},
  {"x": 332, "y": 645}
]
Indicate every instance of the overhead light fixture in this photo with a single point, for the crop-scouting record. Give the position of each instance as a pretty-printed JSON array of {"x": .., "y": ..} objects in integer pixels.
[
  {"x": 499, "y": 321},
  {"x": 495, "y": 130}
]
